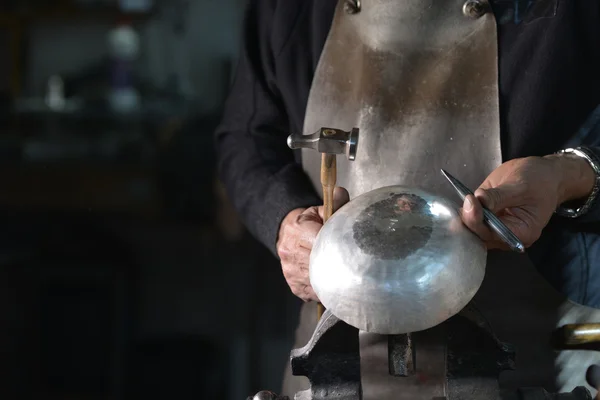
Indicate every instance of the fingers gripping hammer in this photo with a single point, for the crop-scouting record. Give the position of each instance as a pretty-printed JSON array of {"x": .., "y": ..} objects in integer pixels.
[{"x": 329, "y": 142}]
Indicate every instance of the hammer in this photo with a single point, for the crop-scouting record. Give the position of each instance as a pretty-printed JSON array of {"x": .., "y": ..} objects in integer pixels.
[{"x": 329, "y": 142}]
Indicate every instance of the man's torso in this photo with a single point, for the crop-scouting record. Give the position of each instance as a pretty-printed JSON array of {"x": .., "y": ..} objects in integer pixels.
[{"x": 549, "y": 58}]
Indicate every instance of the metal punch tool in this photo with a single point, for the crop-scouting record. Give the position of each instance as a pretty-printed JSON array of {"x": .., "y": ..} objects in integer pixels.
[{"x": 489, "y": 217}]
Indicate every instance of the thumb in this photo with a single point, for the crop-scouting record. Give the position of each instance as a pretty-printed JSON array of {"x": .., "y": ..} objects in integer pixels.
[
  {"x": 500, "y": 197},
  {"x": 340, "y": 197}
]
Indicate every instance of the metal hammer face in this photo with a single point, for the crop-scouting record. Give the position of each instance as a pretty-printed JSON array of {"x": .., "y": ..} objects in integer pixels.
[{"x": 328, "y": 141}]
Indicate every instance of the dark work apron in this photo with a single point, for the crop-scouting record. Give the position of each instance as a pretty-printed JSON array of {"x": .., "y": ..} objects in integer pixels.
[{"x": 419, "y": 78}]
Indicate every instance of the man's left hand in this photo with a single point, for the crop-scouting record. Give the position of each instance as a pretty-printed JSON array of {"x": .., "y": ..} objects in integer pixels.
[{"x": 524, "y": 193}]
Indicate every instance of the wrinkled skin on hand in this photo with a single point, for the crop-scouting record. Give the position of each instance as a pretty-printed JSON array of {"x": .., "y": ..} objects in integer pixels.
[
  {"x": 524, "y": 193},
  {"x": 295, "y": 242}
]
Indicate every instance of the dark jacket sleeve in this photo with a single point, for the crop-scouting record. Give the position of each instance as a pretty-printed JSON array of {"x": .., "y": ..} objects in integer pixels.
[
  {"x": 257, "y": 168},
  {"x": 589, "y": 136}
]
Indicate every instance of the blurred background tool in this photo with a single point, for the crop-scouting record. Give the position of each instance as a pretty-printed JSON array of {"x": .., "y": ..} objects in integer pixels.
[{"x": 116, "y": 234}]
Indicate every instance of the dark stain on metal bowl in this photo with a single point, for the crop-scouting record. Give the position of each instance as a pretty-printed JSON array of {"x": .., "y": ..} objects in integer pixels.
[{"x": 394, "y": 228}]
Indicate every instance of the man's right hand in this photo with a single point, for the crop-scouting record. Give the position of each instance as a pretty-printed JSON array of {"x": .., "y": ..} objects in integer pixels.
[{"x": 295, "y": 241}]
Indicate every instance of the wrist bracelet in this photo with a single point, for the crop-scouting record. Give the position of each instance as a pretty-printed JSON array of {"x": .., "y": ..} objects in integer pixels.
[{"x": 592, "y": 159}]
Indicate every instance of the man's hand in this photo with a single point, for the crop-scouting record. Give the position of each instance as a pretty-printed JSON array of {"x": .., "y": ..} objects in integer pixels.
[
  {"x": 524, "y": 193},
  {"x": 296, "y": 237}
]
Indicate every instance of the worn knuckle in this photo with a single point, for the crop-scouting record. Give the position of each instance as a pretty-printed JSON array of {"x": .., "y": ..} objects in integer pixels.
[
  {"x": 298, "y": 292},
  {"x": 289, "y": 251},
  {"x": 292, "y": 272},
  {"x": 308, "y": 292},
  {"x": 285, "y": 268},
  {"x": 300, "y": 218},
  {"x": 284, "y": 252},
  {"x": 288, "y": 229},
  {"x": 314, "y": 210},
  {"x": 310, "y": 214}
]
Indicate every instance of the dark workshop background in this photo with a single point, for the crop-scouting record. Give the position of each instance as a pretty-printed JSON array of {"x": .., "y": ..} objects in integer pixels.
[{"x": 124, "y": 271}]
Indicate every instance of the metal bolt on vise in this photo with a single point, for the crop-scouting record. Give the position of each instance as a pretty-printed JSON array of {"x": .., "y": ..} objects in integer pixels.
[
  {"x": 352, "y": 6},
  {"x": 475, "y": 8}
]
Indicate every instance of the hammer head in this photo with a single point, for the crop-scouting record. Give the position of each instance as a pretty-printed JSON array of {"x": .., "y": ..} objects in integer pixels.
[{"x": 327, "y": 140}]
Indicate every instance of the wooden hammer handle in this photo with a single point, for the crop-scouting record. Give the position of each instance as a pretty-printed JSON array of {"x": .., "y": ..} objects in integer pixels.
[{"x": 328, "y": 181}]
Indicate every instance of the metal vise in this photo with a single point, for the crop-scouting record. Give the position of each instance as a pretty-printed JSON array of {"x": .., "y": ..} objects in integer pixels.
[{"x": 474, "y": 359}]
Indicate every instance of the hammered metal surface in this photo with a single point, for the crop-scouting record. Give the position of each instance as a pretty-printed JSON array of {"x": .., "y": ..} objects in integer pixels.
[{"x": 396, "y": 260}]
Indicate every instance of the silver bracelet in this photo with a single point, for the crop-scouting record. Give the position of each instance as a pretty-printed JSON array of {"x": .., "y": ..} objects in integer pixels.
[{"x": 592, "y": 159}]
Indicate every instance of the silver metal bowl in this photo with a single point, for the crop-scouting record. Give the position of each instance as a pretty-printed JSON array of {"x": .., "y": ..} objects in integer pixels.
[{"x": 396, "y": 260}]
